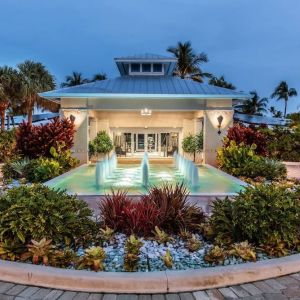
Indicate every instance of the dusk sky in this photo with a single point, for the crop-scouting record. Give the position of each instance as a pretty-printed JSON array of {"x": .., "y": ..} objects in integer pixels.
[{"x": 254, "y": 43}]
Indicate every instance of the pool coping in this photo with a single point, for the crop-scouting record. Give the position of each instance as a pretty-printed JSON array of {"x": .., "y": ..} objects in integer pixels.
[
  {"x": 236, "y": 180},
  {"x": 147, "y": 282}
]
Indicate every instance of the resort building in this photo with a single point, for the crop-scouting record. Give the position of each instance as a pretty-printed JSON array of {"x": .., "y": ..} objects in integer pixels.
[{"x": 147, "y": 109}]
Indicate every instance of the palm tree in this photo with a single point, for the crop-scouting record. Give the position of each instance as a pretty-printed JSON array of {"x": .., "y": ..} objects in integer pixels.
[
  {"x": 10, "y": 91},
  {"x": 283, "y": 92},
  {"x": 221, "y": 82},
  {"x": 36, "y": 79},
  {"x": 275, "y": 113},
  {"x": 255, "y": 105},
  {"x": 188, "y": 62},
  {"x": 75, "y": 78},
  {"x": 99, "y": 76}
]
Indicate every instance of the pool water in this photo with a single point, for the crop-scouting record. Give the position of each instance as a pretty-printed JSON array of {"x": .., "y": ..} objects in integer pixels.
[{"x": 81, "y": 181}]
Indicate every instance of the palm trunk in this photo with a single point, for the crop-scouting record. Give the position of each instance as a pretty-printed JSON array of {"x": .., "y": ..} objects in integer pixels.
[
  {"x": 29, "y": 115},
  {"x": 2, "y": 116},
  {"x": 285, "y": 107},
  {"x": 8, "y": 122}
]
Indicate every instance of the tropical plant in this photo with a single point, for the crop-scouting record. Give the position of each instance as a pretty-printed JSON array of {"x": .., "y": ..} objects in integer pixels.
[
  {"x": 168, "y": 259},
  {"x": 193, "y": 244},
  {"x": 99, "y": 77},
  {"x": 35, "y": 79},
  {"x": 255, "y": 105},
  {"x": 64, "y": 258},
  {"x": 161, "y": 236},
  {"x": 193, "y": 144},
  {"x": 132, "y": 252},
  {"x": 284, "y": 92},
  {"x": 221, "y": 82},
  {"x": 243, "y": 250},
  {"x": 39, "y": 251},
  {"x": 36, "y": 212},
  {"x": 36, "y": 141},
  {"x": 106, "y": 233},
  {"x": 185, "y": 234},
  {"x": 75, "y": 78},
  {"x": 10, "y": 91},
  {"x": 276, "y": 247},
  {"x": 275, "y": 113},
  {"x": 19, "y": 166},
  {"x": 188, "y": 62},
  {"x": 93, "y": 258},
  {"x": 102, "y": 144},
  {"x": 216, "y": 255},
  {"x": 9, "y": 250},
  {"x": 7, "y": 144}
]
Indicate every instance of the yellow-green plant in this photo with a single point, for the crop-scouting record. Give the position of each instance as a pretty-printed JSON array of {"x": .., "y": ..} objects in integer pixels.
[
  {"x": 93, "y": 258},
  {"x": 9, "y": 250},
  {"x": 161, "y": 236},
  {"x": 39, "y": 251},
  {"x": 132, "y": 251},
  {"x": 168, "y": 259},
  {"x": 63, "y": 258},
  {"x": 243, "y": 250},
  {"x": 185, "y": 234},
  {"x": 216, "y": 255},
  {"x": 106, "y": 233},
  {"x": 275, "y": 247},
  {"x": 206, "y": 230},
  {"x": 193, "y": 244}
]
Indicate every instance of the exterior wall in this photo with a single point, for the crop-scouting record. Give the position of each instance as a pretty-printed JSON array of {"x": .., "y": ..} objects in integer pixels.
[{"x": 213, "y": 140}]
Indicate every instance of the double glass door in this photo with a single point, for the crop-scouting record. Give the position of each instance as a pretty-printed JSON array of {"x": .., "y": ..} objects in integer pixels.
[{"x": 145, "y": 142}]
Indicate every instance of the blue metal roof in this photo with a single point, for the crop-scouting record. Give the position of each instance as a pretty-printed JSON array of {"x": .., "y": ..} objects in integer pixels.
[
  {"x": 147, "y": 87},
  {"x": 260, "y": 120}
]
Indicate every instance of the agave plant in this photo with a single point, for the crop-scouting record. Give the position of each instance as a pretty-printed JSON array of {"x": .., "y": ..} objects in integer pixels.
[
  {"x": 93, "y": 258},
  {"x": 19, "y": 166},
  {"x": 9, "y": 250},
  {"x": 161, "y": 236},
  {"x": 168, "y": 259},
  {"x": 216, "y": 255},
  {"x": 132, "y": 251},
  {"x": 243, "y": 250},
  {"x": 39, "y": 251},
  {"x": 193, "y": 244},
  {"x": 106, "y": 234}
]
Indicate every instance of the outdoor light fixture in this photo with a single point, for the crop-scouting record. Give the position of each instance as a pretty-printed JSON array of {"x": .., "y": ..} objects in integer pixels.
[
  {"x": 220, "y": 120},
  {"x": 146, "y": 112}
]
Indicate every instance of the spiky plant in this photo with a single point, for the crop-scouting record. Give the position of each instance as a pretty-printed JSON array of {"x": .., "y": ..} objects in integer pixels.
[
  {"x": 193, "y": 244},
  {"x": 132, "y": 252},
  {"x": 93, "y": 258},
  {"x": 161, "y": 236},
  {"x": 168, "y": 259}
]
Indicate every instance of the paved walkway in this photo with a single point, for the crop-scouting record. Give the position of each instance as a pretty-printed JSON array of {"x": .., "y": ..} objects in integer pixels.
[
  {"x": 286, "y": 287},
  {"x": 293, "y": 171}
]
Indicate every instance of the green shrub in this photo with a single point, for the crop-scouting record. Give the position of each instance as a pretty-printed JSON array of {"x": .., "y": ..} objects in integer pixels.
[
  {"x": 7, "y": 144},
  {"x": 241, "y": 160},
  {"x": 38, "y": 212},
  {"x": 42, "y": 169},
  {"x": 193, "y": 144},
  {"x": 102, "y": 144},
  {"x": 258, "y": 214}
]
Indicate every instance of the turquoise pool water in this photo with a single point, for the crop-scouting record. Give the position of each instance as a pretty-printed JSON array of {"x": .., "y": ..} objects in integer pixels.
[{"x": 81, "y": 181}]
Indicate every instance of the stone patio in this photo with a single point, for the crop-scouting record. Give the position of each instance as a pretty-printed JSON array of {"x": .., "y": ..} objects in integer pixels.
[{"x": 286, "y": 287}]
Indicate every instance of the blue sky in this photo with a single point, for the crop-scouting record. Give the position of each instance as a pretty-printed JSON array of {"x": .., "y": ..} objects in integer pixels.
[{"x": 254, "y": 43}]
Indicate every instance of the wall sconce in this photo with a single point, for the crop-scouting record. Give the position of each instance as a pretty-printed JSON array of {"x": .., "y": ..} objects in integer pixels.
[
  {"x": 220, "y": 120},
  {"x": 146, "y": 112}
]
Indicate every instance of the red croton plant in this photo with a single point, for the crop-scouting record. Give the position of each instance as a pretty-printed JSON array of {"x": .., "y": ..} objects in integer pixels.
[
  {"x": 247, "y": 135},
  {"x": 35, "y": 141}
]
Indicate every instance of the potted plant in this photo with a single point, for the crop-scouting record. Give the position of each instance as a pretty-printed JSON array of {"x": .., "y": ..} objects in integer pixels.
[{"x": 101, "y": 145}]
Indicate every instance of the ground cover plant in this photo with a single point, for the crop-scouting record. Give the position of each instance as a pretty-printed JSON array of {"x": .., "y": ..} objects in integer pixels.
[
  {"x": 7, "y": 144},
  {"x": 44, "y": 226}
]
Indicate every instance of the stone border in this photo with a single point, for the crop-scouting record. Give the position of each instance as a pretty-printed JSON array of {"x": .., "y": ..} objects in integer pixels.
[{"x": 145, "y": 283}]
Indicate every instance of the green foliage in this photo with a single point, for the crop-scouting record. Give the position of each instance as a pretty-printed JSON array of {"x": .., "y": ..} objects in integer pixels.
[
  {"x": 36, "y": 212},
  {"x": 193, "y": 143},
  {"x": 243, "y": 250},
  {"x": 7, "y": 144},
  {"x": 241, "y": 160},
  {"x": 258, "y": 214},
  {"x": 101, "y": 144},
  {"x": 216, "y": 255},
  {"x": 168, "y": 259},
  {"x": 193, "y": 244},
  {"x": 106, "y": 233},
  {"x": 93, "y": 258},
  {"x": 132, "y": 251},
  {"x": 9, "y": 250},
  {"x": 161, "y": 237}
]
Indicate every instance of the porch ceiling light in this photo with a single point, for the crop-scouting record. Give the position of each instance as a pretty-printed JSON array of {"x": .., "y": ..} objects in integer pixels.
[
  {"x": 146, "y": 112},
  {"x": 220, "y": 120}
]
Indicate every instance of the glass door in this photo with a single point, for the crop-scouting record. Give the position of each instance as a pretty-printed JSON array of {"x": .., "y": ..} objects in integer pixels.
[{"x": 140, "y": 142}]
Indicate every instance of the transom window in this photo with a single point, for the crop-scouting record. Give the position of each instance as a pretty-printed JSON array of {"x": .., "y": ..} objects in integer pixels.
[
  {"x": 146, "y": 68},
  {"x": 157, "y": 68},
  {"x": 135, "y": 68}
]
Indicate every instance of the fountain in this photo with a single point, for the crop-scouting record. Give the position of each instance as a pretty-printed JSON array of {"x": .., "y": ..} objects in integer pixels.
[
  {"x": 105, "y": 168},
  {"x": 145, "y": 170}
]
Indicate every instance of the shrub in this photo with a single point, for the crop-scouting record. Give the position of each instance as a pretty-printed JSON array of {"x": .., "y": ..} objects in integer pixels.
[
  {"x": 102, "y": 144},
  {"x": 258, "y": 214},
  {"x": 241, "y": 160},
  {"x": 193, "y": 144},
  {"x": 248, "y": 136},
  {"x": 36, "y": 141},
  {"x": 7, "y": 144},
  {"x": 36, "y": 212}
]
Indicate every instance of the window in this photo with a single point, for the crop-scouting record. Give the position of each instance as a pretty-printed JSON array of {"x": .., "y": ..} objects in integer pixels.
[
  {"x": 135, "y": 68},
  {"x": 157, "y": 68},
  {"x": 146, "y": 68}
]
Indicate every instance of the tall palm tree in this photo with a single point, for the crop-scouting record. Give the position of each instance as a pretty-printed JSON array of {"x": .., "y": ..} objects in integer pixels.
[
  {"x": 10, "y": 91},
  {"x": 221, "y": 82},
  {"x": 99, "y": 76},
  {"x": 275, "y": 113},
  {"x": 188, "y": 62},
  {"x": 76, "y": 78},
  {"x": 283, "y": 92},
  {"x": 255, "y": 105},
  {"x": 36, "y": 79}
]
